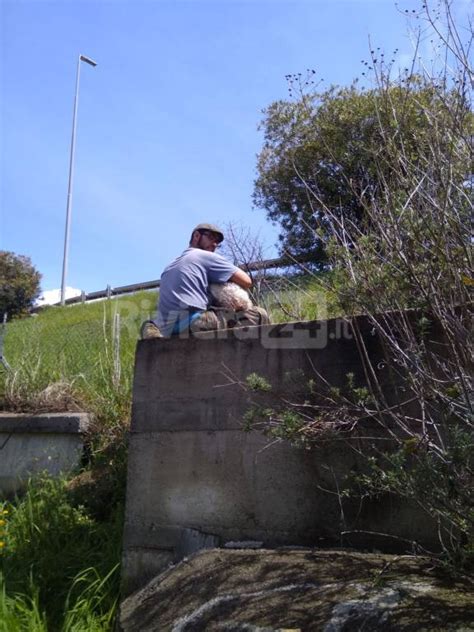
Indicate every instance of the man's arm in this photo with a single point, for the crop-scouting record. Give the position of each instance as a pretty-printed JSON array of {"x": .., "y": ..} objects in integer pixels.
[{"x": 241, "y": 278}]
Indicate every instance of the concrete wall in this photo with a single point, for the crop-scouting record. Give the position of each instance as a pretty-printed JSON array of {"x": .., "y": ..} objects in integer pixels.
[
  {"x": 30, "y": 444},
  {"x": 196, "y": 479}
]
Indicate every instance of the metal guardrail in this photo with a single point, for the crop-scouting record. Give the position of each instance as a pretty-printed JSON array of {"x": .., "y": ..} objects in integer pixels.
[{"x": 255, "y": 266}]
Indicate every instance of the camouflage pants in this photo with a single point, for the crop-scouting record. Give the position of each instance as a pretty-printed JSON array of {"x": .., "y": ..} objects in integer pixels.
[{"x": 221, "y": 318}]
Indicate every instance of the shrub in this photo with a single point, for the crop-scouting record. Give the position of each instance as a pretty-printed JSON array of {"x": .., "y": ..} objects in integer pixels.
[{"x": 409, "y": 248}]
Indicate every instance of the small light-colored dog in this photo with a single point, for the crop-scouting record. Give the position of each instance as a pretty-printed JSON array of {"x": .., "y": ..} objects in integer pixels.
[{"x": 231, "y": 296}]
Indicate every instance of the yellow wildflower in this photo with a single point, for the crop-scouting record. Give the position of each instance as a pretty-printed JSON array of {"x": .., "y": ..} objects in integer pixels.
[
  {"x": 2, "y": 544},
  {"x": 2, "y": 523}
]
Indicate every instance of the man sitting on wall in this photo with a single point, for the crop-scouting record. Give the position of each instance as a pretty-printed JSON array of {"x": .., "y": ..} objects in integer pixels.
[{"x": 184, "y": 302}]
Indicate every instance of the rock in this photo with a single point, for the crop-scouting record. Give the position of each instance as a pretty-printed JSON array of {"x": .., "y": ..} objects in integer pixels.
[{"x": 274, "y": 590}]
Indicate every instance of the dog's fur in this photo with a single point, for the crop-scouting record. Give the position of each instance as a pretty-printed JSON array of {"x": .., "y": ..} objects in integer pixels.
[{"x": 231, "y": 296}]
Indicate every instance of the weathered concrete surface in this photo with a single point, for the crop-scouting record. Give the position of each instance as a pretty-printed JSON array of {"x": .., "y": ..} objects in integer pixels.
[
  {"x": 30, "y": 444},
  {"x": 192, "y": 468},
  {"x": 307, "y": 590}
]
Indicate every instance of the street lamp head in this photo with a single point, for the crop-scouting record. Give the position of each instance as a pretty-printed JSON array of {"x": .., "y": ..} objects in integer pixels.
[{"x": 88, "y": 60}]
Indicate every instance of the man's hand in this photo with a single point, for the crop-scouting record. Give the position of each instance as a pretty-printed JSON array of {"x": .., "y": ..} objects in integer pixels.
[{"x": 241, "y": 278}]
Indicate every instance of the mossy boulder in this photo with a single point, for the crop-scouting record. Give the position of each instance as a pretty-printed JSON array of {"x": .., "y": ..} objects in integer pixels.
[{"x": 302, "y": 589}]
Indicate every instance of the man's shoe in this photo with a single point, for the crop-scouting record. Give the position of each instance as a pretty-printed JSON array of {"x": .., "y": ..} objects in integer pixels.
[{"x": 149, "y": 330}]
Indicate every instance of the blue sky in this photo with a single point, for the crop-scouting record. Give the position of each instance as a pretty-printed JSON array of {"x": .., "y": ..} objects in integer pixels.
[{"x": 167, "y": 126}]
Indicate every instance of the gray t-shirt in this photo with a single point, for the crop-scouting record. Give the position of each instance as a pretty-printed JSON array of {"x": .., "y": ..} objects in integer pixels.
[{"x": 185, "y": 282}]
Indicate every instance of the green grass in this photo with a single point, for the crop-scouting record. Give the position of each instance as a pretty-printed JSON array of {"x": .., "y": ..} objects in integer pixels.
[
  {"x": 83, "y": 353},
  {"x": 301, "y": 297},
  {"x": 59, "y": 566},
  {"x": 21, "y": 612},
  {"x": 59, "y": 555},
  {"x": 81, "y": 356}
]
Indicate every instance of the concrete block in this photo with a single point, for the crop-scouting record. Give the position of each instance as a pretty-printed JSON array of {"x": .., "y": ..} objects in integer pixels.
[
  {"x": 141, "y": 566},
  {"x": 30, "y": 444},
  {"x": 195, "y": 477}
]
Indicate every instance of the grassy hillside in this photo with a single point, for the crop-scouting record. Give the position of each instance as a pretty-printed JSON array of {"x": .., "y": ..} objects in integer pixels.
[
  {"x": 81, "y": 356},
  {"x": 74, "y": 355}
]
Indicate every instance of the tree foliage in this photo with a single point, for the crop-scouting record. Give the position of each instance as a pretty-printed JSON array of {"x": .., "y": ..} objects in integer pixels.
[
  {"x": 19, "y": 284},
  {"x": 335, "y": 150}
]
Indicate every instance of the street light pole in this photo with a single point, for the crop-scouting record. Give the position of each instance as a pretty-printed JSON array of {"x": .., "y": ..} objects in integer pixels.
[{"x": 91, "y": 62}]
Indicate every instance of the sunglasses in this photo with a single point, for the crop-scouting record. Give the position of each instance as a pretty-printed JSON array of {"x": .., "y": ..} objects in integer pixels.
[{"x": 212, "y": 236}]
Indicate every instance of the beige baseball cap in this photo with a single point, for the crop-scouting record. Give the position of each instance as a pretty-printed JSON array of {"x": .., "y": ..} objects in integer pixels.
[{"x": 212, "y": 228}]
